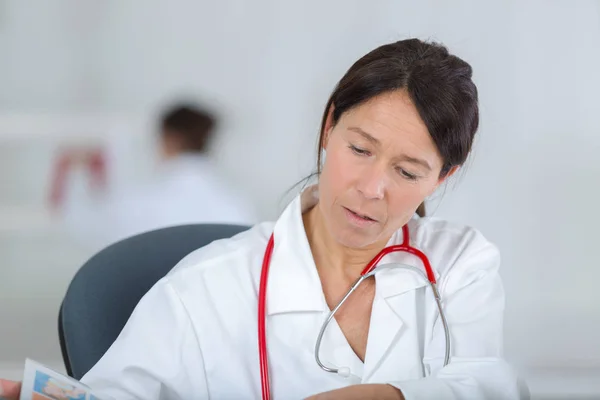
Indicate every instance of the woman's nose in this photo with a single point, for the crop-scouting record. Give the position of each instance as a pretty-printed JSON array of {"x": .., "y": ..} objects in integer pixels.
[{"x": 372, "y": 182}]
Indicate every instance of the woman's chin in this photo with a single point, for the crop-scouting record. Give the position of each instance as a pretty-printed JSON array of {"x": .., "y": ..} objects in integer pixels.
[{"x": 355, "y": 240}]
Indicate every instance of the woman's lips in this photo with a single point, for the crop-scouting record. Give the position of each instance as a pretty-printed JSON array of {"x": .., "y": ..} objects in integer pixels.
[{"x": 358, "y": 218}]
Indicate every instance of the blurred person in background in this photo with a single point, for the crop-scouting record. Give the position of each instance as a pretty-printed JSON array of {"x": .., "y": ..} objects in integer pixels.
[{"x": 186, "y": 189}]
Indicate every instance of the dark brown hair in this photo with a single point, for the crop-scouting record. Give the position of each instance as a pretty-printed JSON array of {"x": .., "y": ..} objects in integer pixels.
[
  {"x": 190, "y": 125},
  {"x": 438, "y": 83}
]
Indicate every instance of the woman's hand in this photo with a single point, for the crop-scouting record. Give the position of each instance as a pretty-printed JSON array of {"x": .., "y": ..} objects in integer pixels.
[
  {"x": 10, "y": 390},
  {"x": 361, "y": 392}
]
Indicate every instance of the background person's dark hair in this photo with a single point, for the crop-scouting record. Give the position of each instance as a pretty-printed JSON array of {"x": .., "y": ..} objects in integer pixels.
[
  {"x": 438, "y": 83},
  {"x": 192, "y": 127}
]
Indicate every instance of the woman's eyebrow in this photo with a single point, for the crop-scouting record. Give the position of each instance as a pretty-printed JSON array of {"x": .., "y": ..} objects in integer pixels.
[
  {"x": 414, "y": 160},
  {"x": 364, "y": 134},
  {"x": 404, "y": 157}
]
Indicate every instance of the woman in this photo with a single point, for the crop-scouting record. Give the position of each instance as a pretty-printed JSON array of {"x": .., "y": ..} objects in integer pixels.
[{"x": 399, "y": 123}]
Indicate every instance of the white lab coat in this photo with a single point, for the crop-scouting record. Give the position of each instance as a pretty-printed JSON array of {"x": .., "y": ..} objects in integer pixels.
[
  {"x": 185, "y": 190},
  {"x": 194, "y": 335}
]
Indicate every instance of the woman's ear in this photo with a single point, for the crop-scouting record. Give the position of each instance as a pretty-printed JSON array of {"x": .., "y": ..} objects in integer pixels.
[
  {"x": 444, "y": 178},
  {"x": 328, "y": 126},
  {"x": 451, "y": 172}
]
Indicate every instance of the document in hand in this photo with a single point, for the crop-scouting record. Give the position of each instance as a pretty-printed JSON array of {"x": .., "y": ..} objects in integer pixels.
[{"x": 42, "y": 383}]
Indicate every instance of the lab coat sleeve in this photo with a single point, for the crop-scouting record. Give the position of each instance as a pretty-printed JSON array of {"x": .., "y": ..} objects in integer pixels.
[
  {"x": 473, "y": 300},
  {"x": 154, "y": 355}
]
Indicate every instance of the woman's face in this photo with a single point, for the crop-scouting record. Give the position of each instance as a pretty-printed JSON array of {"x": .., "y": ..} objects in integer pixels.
[{"x": 380, "y": 164}]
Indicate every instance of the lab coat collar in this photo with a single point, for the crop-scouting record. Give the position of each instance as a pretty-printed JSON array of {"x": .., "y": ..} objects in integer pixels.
[
  {"x": 294, "y": 284},
  {"x": 395, "y": 281}
]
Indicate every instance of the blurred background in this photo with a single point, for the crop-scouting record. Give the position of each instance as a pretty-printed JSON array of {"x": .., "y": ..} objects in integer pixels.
[{"x": 93, "y": 77}]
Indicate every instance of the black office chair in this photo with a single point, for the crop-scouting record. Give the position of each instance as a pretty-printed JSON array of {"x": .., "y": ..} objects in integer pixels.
[{"x": 106, "y": 289}]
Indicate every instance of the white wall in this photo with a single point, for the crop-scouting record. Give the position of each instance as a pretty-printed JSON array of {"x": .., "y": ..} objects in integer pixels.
[{"x": 270, "y": 65}]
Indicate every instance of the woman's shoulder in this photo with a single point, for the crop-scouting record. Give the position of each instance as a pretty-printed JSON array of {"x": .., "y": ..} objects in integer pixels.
[
  {"x": 455, "y": 249},
  {"x": 230, "y": 255},
  {"x": 431, "y": 230}
]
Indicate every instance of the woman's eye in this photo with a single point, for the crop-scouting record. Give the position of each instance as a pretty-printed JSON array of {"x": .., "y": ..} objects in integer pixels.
[
  {"x": 407, "y": 175},
  {"x": 359, "y": 151}
]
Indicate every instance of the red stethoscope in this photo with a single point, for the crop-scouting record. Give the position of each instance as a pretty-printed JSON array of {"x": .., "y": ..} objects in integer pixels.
[{"x": 368, "y": 271}]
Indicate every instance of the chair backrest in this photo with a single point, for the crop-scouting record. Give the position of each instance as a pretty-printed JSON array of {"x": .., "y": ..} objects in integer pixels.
[{"x": 106, "y": 289}]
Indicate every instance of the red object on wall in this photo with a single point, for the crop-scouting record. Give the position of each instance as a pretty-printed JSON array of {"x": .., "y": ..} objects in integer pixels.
[{"x": 94, "y": 160}]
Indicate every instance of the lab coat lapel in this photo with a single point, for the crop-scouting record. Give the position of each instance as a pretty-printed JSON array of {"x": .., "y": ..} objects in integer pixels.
[
  {"x": 394, "y": 350},
  {"x": 385, "y": 327},
  {"x": 393, "y": 337}
]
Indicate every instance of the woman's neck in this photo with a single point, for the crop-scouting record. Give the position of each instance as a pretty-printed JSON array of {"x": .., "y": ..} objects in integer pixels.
[{"x": 329, "y": 254}]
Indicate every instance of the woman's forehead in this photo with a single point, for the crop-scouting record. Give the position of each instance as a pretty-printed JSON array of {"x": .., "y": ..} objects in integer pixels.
[
  {"x": 391, "y": 119},
  {"x": 390, "y": 112}
]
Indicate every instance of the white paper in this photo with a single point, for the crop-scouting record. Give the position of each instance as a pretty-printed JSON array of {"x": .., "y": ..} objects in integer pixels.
[{"x": 43, "y": 383}]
